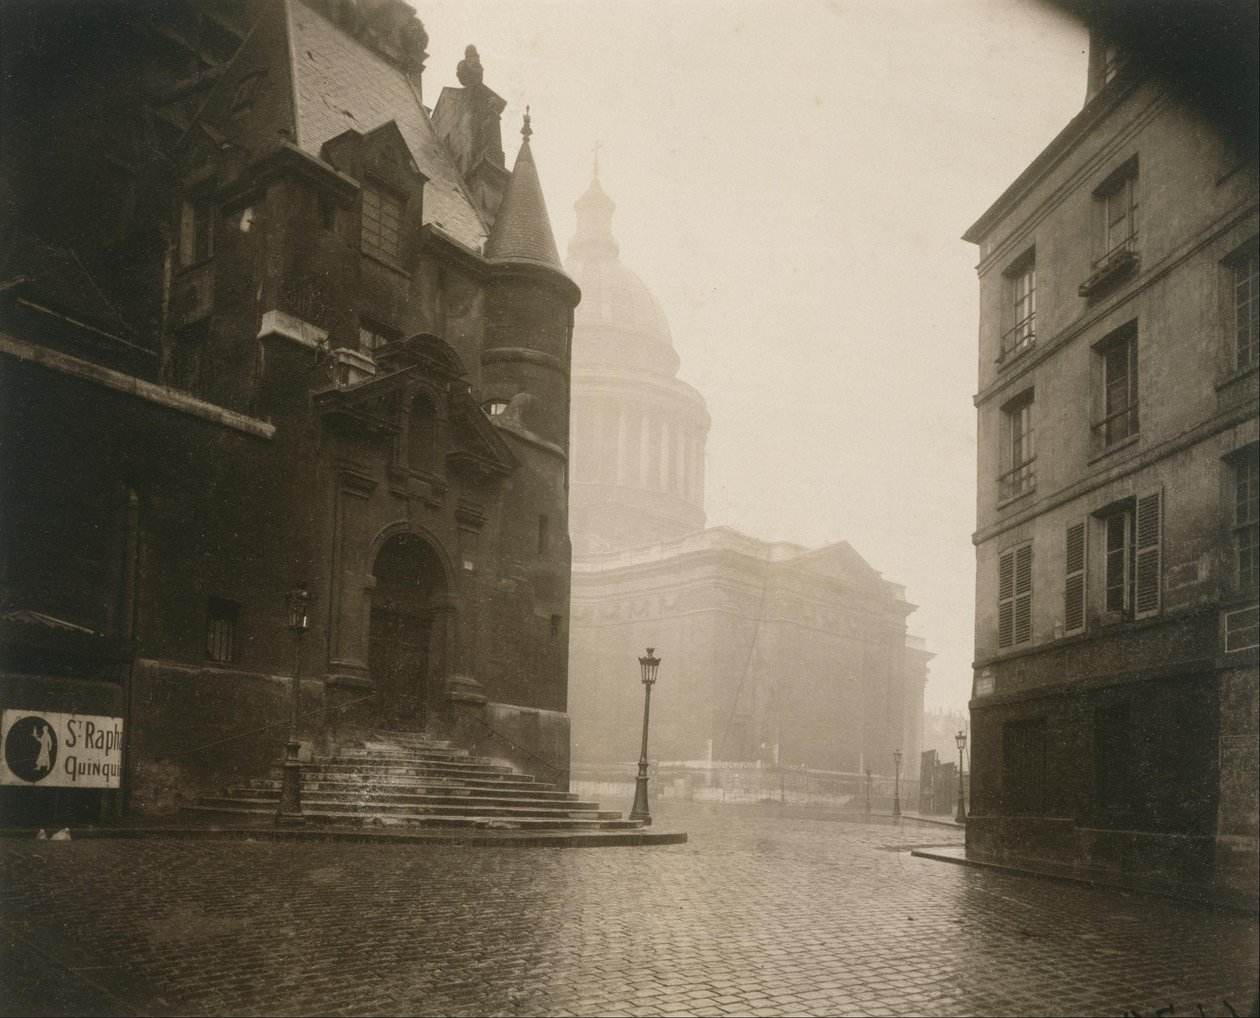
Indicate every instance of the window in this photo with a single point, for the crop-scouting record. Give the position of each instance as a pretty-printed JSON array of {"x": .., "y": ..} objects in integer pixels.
[
  {"x": 373, "y": 336},
  {"x": 1112, "y": 63},
  {"x": 196, "y": 231},
  {"x": 1247, "y": 520},
  {"x": 494, "y": 407},
  {"x": 1117, "y": 202},
  {"x": 555, "y": 625},
  {"x": 327, "y": 214},
  {"x": 1015, "y": 596},
  {"x": 1120, "y": 561},
  {"x": 1074, "y": 590},
  {"x": 1118, "y": 357},
  {"x": 221, "y": 616},
  {"x": 1024, "y": 766},
  {"x": 1017, "y": 456},
  {"x": 1021, "y": 283},
  {"x": 382, "y": 225},
  {"x": 1246, "y": 309},
  {"x": 246, "y": 91},
  {"x": 1132, "y": 543}
]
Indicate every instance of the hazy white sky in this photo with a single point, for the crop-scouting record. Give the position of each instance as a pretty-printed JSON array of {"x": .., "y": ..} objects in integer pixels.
[{"x": 791, "y": 181}]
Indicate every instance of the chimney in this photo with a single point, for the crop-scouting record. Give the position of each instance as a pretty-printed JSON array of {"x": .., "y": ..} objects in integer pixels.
[{"x": 389, "y": 27}]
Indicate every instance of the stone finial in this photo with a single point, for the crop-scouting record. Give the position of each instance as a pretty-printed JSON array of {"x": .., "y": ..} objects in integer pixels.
[
  {"x": 469, "y": 71},
  {"x": 526, "y": 130}
]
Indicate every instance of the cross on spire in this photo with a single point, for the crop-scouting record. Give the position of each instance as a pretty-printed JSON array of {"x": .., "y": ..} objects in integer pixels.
[
  {"x": 526, "y": 130},
  {"x": 596, "y": 149}
]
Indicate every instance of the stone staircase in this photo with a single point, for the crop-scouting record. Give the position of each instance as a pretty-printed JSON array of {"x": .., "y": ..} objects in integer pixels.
[{"x": 407, "y": 779}]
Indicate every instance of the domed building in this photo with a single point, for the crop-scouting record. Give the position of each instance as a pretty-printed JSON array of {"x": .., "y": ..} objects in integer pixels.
[
  {"x": 771, "y": 652},
  {"x": 638, "y": 431}
]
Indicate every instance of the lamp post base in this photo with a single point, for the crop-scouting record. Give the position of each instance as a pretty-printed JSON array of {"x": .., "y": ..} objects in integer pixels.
[
  {"x": 289, "y": 813},
  {"x": 961, "y": 816},
  {"x": 639, "y": 811}
]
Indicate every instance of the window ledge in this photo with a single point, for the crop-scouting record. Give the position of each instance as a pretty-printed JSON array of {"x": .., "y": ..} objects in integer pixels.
[
  {"x": 385, "y": 263},
  {"x": 1115, "y": 447},
  {"x": 1006, "y": 503},
  {"x": 1005, "y": 361},
  {"x": 1237, "y": 376},
  {"x": 1108, "y": 273}
]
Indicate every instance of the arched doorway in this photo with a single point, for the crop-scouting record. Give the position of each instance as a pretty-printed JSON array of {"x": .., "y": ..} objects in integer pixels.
[{"x": 404, "y": 644}]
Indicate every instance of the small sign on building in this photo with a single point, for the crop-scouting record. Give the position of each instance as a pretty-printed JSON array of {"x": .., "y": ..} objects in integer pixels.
[{"x": 48, "y": 750}]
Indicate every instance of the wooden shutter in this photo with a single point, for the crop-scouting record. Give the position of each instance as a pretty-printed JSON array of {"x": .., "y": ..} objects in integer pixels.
[
  {"x": 1074, "y": 591},
  {"x": 1023, "y": 594},
  {"x": 1006, "y": 599},
  {"x": 1148, "y": 537},
  {"x": 1015, "y": 596}
]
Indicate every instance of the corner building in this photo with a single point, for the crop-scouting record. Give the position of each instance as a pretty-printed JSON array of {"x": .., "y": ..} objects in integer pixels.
[
  {"x": 771, "y": 652},
  {"x": 273, "y": 321},
  {"x": 1114, "y": 706}
]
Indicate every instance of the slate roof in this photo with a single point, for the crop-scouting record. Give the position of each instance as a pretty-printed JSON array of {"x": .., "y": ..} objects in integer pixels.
[
  {"x": 522, "y": 228},
  {"x": 339, "y": 83}
]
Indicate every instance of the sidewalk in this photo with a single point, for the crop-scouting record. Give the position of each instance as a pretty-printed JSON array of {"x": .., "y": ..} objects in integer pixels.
[
  {"x": 1192, "y": 893},
  {"x": 266, "y": 830}
]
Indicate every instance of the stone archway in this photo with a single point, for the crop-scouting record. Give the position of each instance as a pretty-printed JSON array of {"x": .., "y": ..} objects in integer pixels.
[{"x": 406, "y": 641}]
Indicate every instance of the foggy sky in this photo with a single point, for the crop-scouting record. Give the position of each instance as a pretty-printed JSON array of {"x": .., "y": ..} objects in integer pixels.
[{"x": 791, "y": 181}]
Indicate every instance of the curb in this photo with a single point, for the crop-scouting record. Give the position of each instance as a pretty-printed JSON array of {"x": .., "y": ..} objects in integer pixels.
[
  {"x": 1227, "y": 902},
  {"x": 479, "y": 839}
]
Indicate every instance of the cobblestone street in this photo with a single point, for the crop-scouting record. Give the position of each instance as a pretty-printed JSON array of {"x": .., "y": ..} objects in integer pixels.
[{"x": 756, "y": 914}]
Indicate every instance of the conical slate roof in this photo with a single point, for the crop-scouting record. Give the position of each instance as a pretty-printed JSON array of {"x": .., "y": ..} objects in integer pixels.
[{"x": 522, "y": 229}]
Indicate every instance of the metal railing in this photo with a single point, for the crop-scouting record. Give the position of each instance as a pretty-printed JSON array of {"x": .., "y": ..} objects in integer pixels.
[
  {"x": 1020, "y": 337},
  {"x": 1017, "y": 480}
]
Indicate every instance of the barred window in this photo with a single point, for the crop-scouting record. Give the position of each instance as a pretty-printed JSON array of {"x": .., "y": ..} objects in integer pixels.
[
  {"x": 1246, "y": 310},
  {"x": 1118, "y": 354},
  {"x": 1118, "y": 204},
  {"x": 221, "y": 617},
  {"x": 1021, "y": 282},
  {"x": 1017, "y": 456},
  {"x": 1247, "y": 519},
  {"x": 382, "y": 225}
]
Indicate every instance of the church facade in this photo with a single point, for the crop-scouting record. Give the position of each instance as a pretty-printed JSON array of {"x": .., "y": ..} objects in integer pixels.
[
  {"x": 276, "y": 323},
  {"x": 771, "y": 653}
]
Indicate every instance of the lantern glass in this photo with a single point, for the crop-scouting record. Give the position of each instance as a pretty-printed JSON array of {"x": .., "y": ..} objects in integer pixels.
[
  {"x": 299, "y": 609},
  {"x": 960, "y": 740},
  {"x": 897, "y": 755},
  {"x": 648, "y": 666}
]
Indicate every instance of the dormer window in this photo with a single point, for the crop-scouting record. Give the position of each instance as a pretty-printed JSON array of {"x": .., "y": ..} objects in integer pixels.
[
  {"x": 494, "y": 407},
  {"x": 382, "y": 225},
  {"x": 196, "y": 231}
]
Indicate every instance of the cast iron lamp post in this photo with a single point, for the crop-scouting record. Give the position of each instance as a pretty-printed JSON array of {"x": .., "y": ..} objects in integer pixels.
[
  {"x": 300, "y": 602},
  {"x": 897, "y": 783},
  {"x": 648, "y": 666},
  {"x": 961, "y": 741}
]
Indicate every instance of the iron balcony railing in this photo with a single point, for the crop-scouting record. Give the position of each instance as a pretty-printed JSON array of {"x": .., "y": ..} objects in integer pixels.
[
  {"x": 1017, "y": 480},
  {"x": 1118, "y": 425},
  {"x": 1020, "y": 337}
]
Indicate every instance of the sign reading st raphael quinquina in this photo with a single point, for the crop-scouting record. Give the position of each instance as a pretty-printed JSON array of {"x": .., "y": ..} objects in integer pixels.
[{"x": 60, "y": 750}]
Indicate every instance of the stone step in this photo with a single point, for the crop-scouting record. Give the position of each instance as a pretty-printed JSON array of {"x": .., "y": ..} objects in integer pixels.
[
  {"x": 446, "y": 766},
  {"x": 557, "y": 800},
  {"x": 367, "y": 748},
  {"x": 385, "y": 808},
  {"x": 395, "y": 775},
  {"x": 495, "y": 790},
  {"x": 326, "y": 816}
]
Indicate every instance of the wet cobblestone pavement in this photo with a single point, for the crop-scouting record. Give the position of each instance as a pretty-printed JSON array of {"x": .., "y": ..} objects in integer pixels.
[{"x": 756, "y": 914}]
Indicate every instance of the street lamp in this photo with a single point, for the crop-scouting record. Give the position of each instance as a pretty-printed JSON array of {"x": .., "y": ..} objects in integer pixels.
[
  {"x": 897, "y": 783},
  {"x": 300, "y": 602},
  {"x": 961, "y": 741},
  {"x": 647, "y": 666}
]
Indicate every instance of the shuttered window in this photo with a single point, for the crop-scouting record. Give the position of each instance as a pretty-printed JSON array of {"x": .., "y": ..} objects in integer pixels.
[
  {"x": 1074, "y": 590},
  {"x": 1149, "y": 529},
  {"x": 1015, "y": 596}
]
